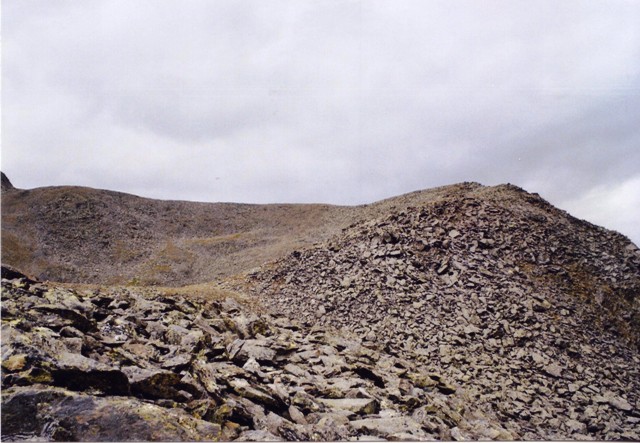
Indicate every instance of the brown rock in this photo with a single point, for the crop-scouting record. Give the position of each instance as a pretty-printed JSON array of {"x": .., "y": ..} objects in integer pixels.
[{"x": 16, "y": 362}]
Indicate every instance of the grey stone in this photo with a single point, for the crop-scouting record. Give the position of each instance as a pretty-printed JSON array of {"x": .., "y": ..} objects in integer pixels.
[
  {"x": 297, "y": 416},
  {"x": 241, "y": 351},
  {"x": 574, "y": 426},
  {"x": 620, "y": 403},
  {"x": 254, "y": 393},
  {"x": 554, "y": 370}
]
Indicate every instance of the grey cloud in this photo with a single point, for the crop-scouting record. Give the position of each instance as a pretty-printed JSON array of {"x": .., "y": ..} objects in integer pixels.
[{"x": 335, "y": 101}]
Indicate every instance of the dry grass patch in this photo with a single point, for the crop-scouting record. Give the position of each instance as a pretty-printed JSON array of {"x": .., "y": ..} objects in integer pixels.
[
  {"x": 15, "y": 251},
  {"x": 210, "y": 241}
]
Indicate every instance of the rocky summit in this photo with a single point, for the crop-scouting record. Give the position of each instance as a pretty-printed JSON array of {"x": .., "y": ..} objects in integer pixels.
[
  {"x": 459, "y": 313},
  {"x": 534, "y": 314}
]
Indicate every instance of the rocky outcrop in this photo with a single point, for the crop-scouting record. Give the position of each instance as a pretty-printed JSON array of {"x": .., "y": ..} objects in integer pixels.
[
  {"x": 139, "y": 364},
  {"x": 534, "y": 313},
  {"x": 6, "y": 183}
]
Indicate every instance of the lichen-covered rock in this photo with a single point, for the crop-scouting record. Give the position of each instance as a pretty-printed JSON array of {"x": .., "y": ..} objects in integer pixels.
[
  {"x": 155, "y": 383},
  {"x": 59, "y": 415}
]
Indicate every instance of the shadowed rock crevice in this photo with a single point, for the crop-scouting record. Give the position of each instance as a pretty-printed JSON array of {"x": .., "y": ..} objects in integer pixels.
[{"x": 110, "y": 382}]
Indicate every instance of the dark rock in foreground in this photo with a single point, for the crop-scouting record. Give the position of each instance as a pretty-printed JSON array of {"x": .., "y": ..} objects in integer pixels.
[{"x": 60, "y": 415}]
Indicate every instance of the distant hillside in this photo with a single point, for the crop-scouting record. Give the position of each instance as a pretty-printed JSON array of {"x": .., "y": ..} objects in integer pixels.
[{"x": 76, "y": 234}]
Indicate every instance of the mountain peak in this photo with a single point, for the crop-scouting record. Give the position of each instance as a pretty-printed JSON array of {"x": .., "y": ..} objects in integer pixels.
[
  {"x": 461, "y": 312},
  {"x": 6, "y": 183}
]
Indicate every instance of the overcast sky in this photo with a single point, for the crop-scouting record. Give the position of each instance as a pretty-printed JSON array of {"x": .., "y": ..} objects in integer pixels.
[{"x": 326, "y": 101}]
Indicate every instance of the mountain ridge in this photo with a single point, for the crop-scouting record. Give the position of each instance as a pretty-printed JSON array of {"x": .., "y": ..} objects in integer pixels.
[
  {"x": 81, "y": 234},
  {"x": 460, "y": 312}
]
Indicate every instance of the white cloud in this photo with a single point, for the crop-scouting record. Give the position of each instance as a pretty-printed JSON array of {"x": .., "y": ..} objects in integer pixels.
[
  {"x": 614, "y": 206},
  {"x": 332, "y": 101}
]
